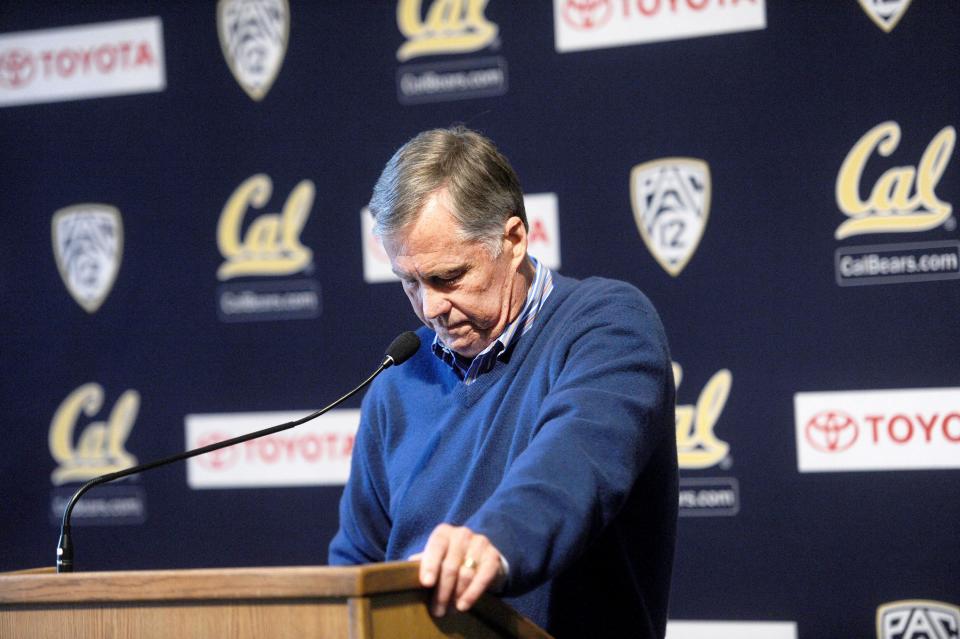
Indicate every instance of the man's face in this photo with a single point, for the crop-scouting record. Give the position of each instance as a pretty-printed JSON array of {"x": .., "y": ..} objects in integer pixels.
[{"x": 455, "y": 287}]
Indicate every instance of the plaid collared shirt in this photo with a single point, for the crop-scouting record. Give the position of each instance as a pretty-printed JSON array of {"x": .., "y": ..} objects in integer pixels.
[{"x": 468, "y": 371}]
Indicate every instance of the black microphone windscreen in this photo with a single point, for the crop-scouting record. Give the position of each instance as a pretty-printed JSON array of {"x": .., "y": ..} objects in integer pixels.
[{"x": 403, "y": 347}]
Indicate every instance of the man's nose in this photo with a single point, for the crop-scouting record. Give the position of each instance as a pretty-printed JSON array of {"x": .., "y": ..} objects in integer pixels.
[{"x": 434, "y": 303}]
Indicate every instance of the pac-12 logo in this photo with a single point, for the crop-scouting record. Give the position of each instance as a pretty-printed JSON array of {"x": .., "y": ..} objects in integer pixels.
[
  {"x": 101, "y": 446},
  {"x": 450, "y": 26},
  {"x": 88, "y": 247},
  {"x": 904, "y": 198},
  {"x": 253, "y": 36},
  {"x": 885, "y": 13},
  {"x": 918, "y": 619},
  {"x": 671, "y": 205},
  {"x": 271, "y": 245}
]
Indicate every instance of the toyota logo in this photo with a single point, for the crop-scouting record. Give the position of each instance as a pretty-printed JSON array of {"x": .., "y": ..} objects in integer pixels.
[
  {"x": 16, "y": 68},
  {"x": 217, "y": 459},
  {"x": 831, "y": 431},
  {"x": 587, "y": 14}
]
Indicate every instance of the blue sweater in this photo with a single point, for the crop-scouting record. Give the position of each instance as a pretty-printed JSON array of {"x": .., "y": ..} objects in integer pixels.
[{"x": 563, "y": 455}]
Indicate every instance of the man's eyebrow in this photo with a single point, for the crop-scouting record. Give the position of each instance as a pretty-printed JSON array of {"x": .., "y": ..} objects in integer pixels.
[
  {"x": 441, "y": 272},
  {"x": 447, "y": 272}
]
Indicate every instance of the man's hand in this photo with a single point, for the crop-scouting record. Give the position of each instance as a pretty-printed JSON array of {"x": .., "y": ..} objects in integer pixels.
[{"x": 461, "y": 565}]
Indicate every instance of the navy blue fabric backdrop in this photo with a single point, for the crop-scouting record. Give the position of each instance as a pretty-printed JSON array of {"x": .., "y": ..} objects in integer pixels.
[{"x": 708, "y": 169}]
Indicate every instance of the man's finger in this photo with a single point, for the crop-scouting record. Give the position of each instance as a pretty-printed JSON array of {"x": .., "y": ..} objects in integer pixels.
[
  {"x": 433, "y": 555},
  {"x": 459, "y": 540},
  {"x": 487, "y": 571},
  {"x": 470, "y": 566}
]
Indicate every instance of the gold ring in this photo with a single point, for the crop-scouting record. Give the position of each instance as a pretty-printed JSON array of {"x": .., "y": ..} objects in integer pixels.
[{"x": 469, "y": 563}]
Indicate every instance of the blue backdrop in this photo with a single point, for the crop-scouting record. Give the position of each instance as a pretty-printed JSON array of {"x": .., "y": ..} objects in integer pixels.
[{"x": 721, "y": 157}]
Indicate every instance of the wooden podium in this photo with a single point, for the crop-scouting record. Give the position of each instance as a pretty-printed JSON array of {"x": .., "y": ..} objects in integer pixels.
[{"x": 363, "y": 602}]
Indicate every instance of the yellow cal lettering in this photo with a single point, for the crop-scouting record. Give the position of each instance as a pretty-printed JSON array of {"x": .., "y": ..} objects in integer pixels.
[
  {"x": 884, "y": 138},
  {"x": 271, "y": 245},
  {"x": 697, "y": 445},
  {"x": 101, "y": 447},
  {"x": 904, "y": 199},
  {"x": 933, "y": 164},
  {"x": 451, "y": 26},
  {"x": 255, "y": 191},
  {"x": 892, "y": 190}
]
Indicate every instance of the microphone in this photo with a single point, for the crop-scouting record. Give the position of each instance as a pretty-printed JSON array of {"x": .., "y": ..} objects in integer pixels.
[{"x": 400, "y": 350}]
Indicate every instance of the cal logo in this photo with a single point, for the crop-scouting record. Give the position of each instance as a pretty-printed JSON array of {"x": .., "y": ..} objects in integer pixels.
[
  {"x": 697, "y": 446},
  {"x": 450, "y": 26},
  {"x": 918, "y": 619},
  {"x": 101, "y": 446},
  {"x": 904, "y": 198},
  {"x": 88, "y": 247},
  {"x": 885, "y": 13},
  {"x": 271, "y": 244},
  {"x": 671, "y": 204},
  {"x": 253, "y": 36}
]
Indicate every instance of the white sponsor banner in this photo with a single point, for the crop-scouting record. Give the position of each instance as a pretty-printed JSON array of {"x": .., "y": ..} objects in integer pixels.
[
  {"x": 88, "y": 61},
  {"x": 897, "y": 429},
  {"x": 376, "y": 264},
  {"x": 731, "y": 630},
  {"x": 598, "y": 24},
  {"x": 314, "y": 454},
  {"x": 543, "y": 238}
]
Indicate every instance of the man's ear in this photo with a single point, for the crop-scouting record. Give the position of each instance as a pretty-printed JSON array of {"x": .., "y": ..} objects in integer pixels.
[{"x": 515, "y": 236}]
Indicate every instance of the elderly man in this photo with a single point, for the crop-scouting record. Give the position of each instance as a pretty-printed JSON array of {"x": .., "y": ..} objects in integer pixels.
[{"x": 528, "y": 448}]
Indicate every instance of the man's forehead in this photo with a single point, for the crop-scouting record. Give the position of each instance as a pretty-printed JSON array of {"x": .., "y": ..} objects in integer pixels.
[
  {"x": 425, "y": 243},
  {"x": 432, "y": 262},
  {"x": 434, "y": 230}
]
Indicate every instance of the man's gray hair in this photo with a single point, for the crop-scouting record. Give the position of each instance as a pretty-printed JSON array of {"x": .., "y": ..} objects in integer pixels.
[{"x": 483, "y": 187}]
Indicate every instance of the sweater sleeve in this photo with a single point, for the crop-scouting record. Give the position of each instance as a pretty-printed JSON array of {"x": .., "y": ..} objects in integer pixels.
[
  {"x": 604, "y": 415},
  {"x": 364, "y": 520}
]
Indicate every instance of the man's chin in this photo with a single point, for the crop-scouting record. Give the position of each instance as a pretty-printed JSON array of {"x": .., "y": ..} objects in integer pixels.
[{"x": 468, "y": 345}]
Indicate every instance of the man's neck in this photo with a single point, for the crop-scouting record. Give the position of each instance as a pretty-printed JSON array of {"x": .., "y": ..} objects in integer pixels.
[{"x": 524, "y": 280}]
